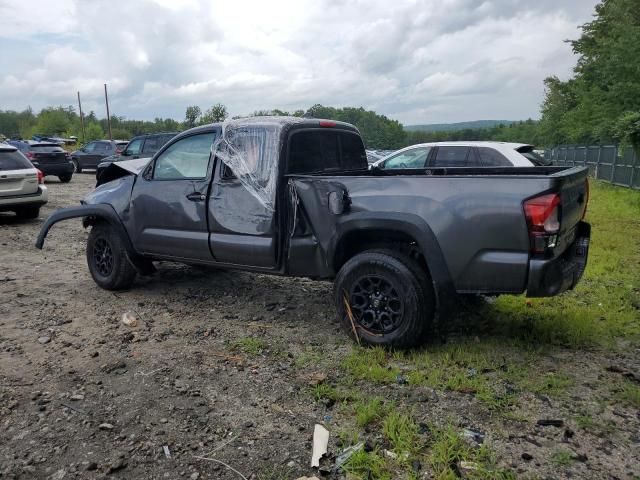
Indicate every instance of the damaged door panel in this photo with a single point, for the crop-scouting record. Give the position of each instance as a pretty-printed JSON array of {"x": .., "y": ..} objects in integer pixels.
[{"x": 295, "y": 196}]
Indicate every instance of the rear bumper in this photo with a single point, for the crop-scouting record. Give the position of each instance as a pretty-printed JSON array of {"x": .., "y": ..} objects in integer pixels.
[
  {"x": 16, "y": 201},
  {"x": 55, "y": 169},
  {"x": 552, "y": 277}
]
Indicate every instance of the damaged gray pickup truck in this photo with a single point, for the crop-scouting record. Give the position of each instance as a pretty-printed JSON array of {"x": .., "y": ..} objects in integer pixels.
[{"x": 292, "y": 196}]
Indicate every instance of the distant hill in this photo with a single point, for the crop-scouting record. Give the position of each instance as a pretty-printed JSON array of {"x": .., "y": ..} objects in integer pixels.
[{"x": 452, "y": 127}]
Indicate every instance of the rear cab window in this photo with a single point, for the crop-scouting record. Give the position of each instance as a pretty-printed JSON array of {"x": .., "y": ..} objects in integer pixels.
[
  {"x": 317, "y": 151},
  {"x": 13, "y": 160}
]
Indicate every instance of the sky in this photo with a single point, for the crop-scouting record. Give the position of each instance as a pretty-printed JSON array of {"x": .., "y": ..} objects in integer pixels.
[{"x": 429, "y": 61}]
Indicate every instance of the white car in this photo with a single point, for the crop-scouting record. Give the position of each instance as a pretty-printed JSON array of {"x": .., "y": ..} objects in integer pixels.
[
  {"x": 462, "y": 154},
  {"x": 21, "y": 184}
]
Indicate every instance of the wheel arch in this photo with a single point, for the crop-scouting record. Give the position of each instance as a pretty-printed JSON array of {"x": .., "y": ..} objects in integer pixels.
[{"x": 395, "y": 231}]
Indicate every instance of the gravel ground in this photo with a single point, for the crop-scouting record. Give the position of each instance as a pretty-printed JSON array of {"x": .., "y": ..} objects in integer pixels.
[{"x": 214, "y": 367}]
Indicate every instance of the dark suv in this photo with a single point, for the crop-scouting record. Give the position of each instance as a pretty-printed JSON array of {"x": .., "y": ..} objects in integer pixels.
[
  {"x": 92, "y": 153},
  {"x": 49, "y": 158},
  {"x": 141, "y": 146}
]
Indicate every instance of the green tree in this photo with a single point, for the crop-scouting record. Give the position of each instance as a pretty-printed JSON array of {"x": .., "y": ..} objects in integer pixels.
[
  {"x": 605, "y": 88},
  {"x": 377, "y": 130},
  {"x": 217, "y": 113},
  {"x": 191, "y": 116},
  {"x": 93, "y": 131}
]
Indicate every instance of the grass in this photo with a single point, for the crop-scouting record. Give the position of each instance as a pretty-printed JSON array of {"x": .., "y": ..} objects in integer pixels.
[
  {"x": 448, "y": 449},
  {"x": 369, "y": 411},
  {"x": 402, "y": 433},
  {"x": 562, "y": 458},
  {"x": 276, "y": 473},
  {"x": 367, "y": 465},
  {"x": 249, "y": 345},
  {"x": 630, "y": 394}
]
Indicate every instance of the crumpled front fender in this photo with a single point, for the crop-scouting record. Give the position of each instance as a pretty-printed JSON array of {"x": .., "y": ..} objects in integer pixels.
[
  {"x": 102, "y": 211},
  {"x": 90, "y": 213}
]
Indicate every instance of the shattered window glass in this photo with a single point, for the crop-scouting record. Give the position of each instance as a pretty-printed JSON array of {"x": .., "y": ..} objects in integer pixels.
[{"x": 251, "y": 148}]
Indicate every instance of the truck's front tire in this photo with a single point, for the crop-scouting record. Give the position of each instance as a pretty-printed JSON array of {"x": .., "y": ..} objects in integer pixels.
[
  {"x": 390, "y": 298},
  {"x": 107, "y": 259}
]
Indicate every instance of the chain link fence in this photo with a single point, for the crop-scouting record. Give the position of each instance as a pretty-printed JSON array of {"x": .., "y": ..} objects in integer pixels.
[{"x": 620, "y": 166}]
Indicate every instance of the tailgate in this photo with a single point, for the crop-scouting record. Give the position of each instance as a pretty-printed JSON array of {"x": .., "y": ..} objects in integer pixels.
[
  {"x": 49, "y": 157},
  {"x": 18, "y": 182},
  {"x": 574, "y": 195},
  {"x": 48, "y": 153}
]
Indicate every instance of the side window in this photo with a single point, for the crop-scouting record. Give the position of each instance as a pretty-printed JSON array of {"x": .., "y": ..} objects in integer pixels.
[
  {"x": 134, "y": 147},
  {"x": 152, "y": 145},
  {"x": 490, "y": 157},
  {"x": 414, "y": 158},
  {"x": 451, "y": 157},
  {"x": 187, "y": 158},
  {"x": 101, "y": 147},
  {"x": 90, "y": 147}
]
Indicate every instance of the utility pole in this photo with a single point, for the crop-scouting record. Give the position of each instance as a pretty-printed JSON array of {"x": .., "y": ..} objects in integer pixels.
[
  {"x": 81, "y": 119},
  {"x": 106, "y": 100}
]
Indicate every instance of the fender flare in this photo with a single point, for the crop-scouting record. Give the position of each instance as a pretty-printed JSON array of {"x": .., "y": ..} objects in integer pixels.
[
  {"x": 412, "y": 225},
  {"x": 101, "y": 211}
]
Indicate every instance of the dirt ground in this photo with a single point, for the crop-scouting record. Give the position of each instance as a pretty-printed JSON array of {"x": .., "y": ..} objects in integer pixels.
[{"x": 216, "y": 368}]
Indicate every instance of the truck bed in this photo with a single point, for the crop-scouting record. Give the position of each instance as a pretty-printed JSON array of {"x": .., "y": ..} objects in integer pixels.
[{"x": 474, "y": 216}]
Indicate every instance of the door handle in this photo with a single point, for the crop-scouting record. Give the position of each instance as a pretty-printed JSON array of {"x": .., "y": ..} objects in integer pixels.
[{"x": 197, "y": 197}]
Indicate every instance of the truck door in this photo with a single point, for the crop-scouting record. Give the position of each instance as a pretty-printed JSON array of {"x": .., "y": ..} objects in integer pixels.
[
  {"x": 242, "y": 202},
  {"x": 169, "y": 201}
]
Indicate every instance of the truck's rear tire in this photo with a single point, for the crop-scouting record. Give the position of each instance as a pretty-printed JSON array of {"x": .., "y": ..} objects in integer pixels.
[
  {"x": 391, "y": 299},
  {"x": 65, "y": 178},
  {"x": 107, "y": 259}
]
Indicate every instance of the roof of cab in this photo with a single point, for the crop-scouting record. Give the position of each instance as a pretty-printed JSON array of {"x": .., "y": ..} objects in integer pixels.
[{"x": 298, "y": 122}]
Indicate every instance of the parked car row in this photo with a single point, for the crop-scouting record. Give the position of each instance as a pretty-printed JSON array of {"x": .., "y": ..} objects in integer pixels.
[{"x": 50, "y": 158}]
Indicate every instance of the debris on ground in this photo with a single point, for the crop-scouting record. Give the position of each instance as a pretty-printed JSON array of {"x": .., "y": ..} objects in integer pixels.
[
  {"x": 473, "y": 435},
  {"x": 347, "y": 453},
  {"x": 315, "y": 378},
  {"x": 466, "y": 469},
  {"x": 320, "y": 443},
  {"x": 547, "y": 422},
  {"x": 129, "y": 319}
]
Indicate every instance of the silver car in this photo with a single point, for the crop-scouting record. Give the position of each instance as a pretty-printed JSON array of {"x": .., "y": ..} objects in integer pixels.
[{"x": 21, "y": 188}]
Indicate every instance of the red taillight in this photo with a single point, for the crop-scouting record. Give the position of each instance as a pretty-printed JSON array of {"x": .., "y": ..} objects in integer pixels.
[
  {"x": 30, "y": 155},
  {"x": 327, "y": 123},
  {"x": 40, "y": 176},
  {"x": 543, "y": 220}
]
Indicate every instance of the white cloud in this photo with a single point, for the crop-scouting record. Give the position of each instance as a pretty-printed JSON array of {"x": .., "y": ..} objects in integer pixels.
[{"x": 418, "y": 61}]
